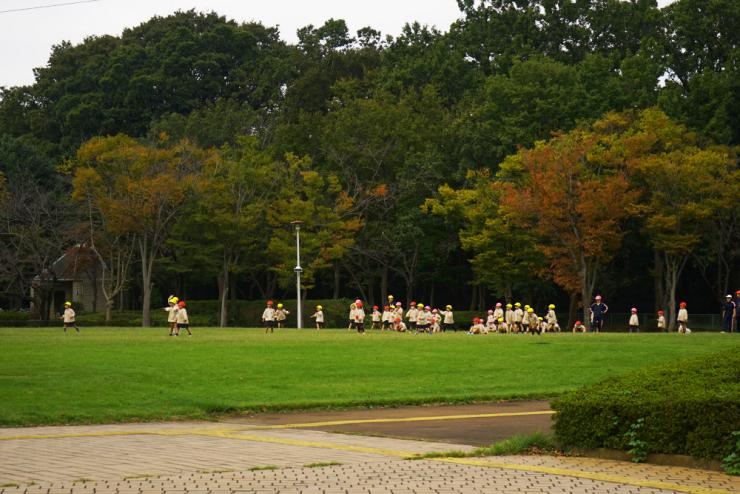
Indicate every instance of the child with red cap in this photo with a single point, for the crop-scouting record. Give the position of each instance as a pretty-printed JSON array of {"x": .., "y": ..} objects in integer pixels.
[
  {"x": 359, "y": 317},
  {"x": 579, "y": 327},
  {"x": 661, "y": 321},
  {"x": 375, "y": 316},
  {"x": 683, "y": 318},
  {"x": 634, "y": 321},
  {"x": 183, "y": 322},
  {"x": 268, "y": 317}
]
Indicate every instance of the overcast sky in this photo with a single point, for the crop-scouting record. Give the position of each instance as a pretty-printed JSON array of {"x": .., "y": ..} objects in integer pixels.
[{"x": 26, "y": 37}]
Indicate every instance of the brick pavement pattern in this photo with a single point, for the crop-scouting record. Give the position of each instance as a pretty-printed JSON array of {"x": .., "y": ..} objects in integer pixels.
[{"x": 220, "y": 457}]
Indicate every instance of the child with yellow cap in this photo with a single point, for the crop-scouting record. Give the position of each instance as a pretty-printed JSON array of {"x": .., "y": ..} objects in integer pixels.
[
  {"x": 172, "y": 313},
  {"x": 552, "y": 319},
  {"x": 280, "y": 316},
  {"x": 319, "y": 316},
  {"x": 449, "y": 319},
  {"x": 518, "y": 317},
  {"x": 69, "y": 317}
]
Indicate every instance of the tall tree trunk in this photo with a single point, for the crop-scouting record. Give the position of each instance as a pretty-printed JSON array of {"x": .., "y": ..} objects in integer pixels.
[
  {"x": 147, "y": 266},
  {"x": 474, "y": 298},
  {"x": 658, "y": 285},
  {"x": 572, "y": 309},
  {"x": 673, "y": 268},
  {"x": 370, "y": 291},
  {"x": 337, "y": 281},
  {"x": 223, "y": 293},
  {"x": 431, "y": 296},
  {"x": 384, "y": 285},
  {"x": 481, "y": 297},
  {"x": 409, "y": 291},
  {"x": 108, "y": 311}
]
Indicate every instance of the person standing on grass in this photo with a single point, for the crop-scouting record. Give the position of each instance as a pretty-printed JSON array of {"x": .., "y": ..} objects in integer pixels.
[
  {"x": 661, "y": 321},
  {"x": 509, "y": 317},
  {"x": 728, "y": 314},
  {"x": 683, "y": 318},
  {"x": 69, "y": 317},
  {"x": 737, "y": 311},
  {"x": 397, "y": 312},
  {"x": 552, "y": 319},
  {"x": 319, "y": 316},
  {"x": 386, "y": 318},
  {"x": 598, "y": 310},
  {"x": 449, "y": 320},
  {"x": 172, "y": 313},
  {"x": 268, "y": 318},
  {"x": 411, "y": 315},
  {"x": 376, "y": 316},
  {"x": 352, "y": 309},
  {"x": 634, "y": 321},
  {"x": 183, "y": 322},
  {"x": 518, "y": 318},
  {"x": 280, "y": 316},
  {"x": 359, "y": 317}
]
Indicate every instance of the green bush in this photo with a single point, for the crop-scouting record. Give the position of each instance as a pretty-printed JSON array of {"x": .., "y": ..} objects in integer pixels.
[
  {"x": 13, "y": 316},
  {"x": 686, "y": 407}
]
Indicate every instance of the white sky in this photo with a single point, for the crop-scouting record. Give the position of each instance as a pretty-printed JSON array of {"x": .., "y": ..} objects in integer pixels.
[{"x": 26, "y": 37}]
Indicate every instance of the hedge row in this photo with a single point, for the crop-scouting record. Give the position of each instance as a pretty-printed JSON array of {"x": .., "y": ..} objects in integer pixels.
[{"x": 686, "y": 407}]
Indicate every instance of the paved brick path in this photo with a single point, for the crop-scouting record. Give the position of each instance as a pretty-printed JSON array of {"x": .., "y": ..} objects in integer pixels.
[{"x": 220, "y": 458}]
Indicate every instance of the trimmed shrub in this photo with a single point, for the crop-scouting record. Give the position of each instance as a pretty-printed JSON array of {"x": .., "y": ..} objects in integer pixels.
[{"x": 686, "y": 407}]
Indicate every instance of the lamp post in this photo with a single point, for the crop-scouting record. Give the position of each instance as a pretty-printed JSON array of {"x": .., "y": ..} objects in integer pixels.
[{"x": 298, "y": 270}]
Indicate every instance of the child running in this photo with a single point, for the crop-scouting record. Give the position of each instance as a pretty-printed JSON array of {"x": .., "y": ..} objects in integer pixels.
[
  {"x": 280, "y": 316},
  {"x": 661, "y": 321},
  {"x": 69, "y": 317}
]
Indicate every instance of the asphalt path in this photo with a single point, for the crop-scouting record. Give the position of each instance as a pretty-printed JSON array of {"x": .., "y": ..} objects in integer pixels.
[{"x": 477, "y": 425}]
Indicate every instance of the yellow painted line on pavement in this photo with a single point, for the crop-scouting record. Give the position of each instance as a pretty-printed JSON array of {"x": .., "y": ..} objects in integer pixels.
[
  {"x": 402, "y": 419},
  {"x": 604, "y": 477},
  {"x": 180, "y": 432},
  {"x": 312, "y": 444}
]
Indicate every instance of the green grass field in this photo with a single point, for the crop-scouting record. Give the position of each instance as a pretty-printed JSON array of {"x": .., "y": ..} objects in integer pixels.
[{"x": 111, "y": 375}]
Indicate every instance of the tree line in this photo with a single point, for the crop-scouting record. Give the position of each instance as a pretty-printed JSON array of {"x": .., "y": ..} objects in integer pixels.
[{"x": 545, "y": 148}]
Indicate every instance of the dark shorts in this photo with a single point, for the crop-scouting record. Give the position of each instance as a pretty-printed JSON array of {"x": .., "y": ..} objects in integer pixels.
[
  {"x": 183, "y": 326},
  {"x": 320, "y": 325},
  {"x": 70, "y": 324},
  {"x": 269, "y": 324},
  {"x": 360, "y": 326},
  {"x": 448, "y": 325}
]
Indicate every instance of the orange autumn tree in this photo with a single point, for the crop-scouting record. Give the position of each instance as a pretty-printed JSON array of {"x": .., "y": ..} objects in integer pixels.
[
  {"x": 575, "y": 204},
  {"x": 138, "y": 190}
]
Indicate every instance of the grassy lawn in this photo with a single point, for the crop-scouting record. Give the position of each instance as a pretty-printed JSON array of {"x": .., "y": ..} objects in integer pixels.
[{"x": 110, "y": 375}]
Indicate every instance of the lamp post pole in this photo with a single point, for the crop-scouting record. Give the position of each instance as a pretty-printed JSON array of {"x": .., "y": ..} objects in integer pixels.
[{"x": 298, "y": 270}]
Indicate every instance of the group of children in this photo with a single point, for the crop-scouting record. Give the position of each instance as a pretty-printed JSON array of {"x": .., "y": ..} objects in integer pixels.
[
  {"x": 511, "y": 318},
  {"x": 272, "y": 317},
  {"x": 177, "y": 316},
  {"x": 516, "y": 319}
]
